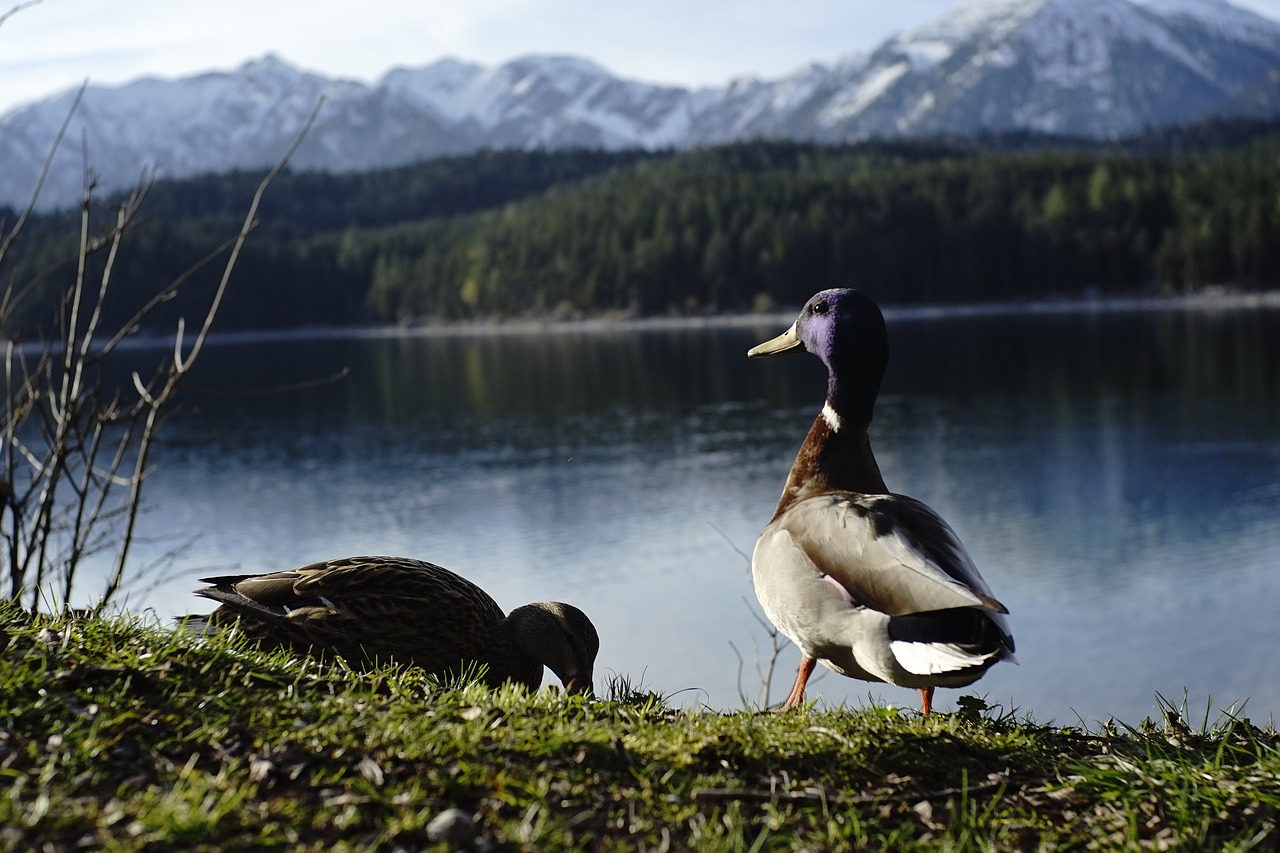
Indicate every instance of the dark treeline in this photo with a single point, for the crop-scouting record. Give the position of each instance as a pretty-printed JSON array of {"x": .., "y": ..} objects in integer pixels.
[
  {"x": 723, "y": 229},
  {"x": 297, "y": 269}
]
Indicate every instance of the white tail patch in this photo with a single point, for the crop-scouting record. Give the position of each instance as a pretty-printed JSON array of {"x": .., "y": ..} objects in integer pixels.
[{"x": 937, "y": 658}]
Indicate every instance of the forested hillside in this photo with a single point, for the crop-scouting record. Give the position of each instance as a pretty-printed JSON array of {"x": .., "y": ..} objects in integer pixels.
[{"x": 724, "y": 229}]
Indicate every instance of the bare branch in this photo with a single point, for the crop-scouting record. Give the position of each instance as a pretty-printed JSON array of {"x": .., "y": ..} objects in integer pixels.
[
  {"x": 164, "y": 294},
  {"x": 16, "y": 9},
  {"x": 7, "y": 242},
  {"x": 777, "y": 643},
  {"x": 181, "y": 366},
  {"x": 77, "y": 453},
  {"x": 250, "y": 220}
]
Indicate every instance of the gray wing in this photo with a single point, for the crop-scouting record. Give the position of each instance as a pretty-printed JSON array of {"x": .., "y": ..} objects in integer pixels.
[{"x": 888, "y": 552}]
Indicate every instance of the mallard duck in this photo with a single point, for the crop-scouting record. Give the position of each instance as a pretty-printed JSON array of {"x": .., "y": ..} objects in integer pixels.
[
  {"x": 873, "y": 585},
  {"x": 394, "y": 609}
]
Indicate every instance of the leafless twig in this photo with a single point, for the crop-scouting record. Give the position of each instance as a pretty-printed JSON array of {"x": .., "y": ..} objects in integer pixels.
[
  {"x": 16, "y": 9},
  {"x": 764, "y": 668},
  {"x": 76, "y": 452}
]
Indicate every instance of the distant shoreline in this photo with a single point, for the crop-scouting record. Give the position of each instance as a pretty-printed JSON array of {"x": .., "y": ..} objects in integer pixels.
[
  {"x": 1210, "y": 300},
  {"x": 1227, "y": 301},
  {"x": 1216, "y": 300}
]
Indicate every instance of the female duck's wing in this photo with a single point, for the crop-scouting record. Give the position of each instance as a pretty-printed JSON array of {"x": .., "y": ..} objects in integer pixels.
[
  {"x": 268, "y": 597},
  {"x": 383, "y": 607},
  {"x": 888, "y": 552},
  {"x": 362, "y": 587}
]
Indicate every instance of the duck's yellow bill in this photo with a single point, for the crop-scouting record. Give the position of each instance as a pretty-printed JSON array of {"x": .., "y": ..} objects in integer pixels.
[{"x": 781, "y": 345}]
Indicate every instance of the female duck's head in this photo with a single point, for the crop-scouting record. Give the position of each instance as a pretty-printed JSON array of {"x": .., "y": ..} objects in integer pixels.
[{"x": 845, "y": 329}]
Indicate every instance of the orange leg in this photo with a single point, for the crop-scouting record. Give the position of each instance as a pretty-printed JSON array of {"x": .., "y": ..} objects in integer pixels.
[
  {"x": 926, "y": 700},
  {"x": 802, "y": 678}
]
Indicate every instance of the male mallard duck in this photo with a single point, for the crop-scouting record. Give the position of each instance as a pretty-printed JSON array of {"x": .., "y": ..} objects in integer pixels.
[
  {"x": 393, "y": 609},
  {"x": 873, "y": 585}
]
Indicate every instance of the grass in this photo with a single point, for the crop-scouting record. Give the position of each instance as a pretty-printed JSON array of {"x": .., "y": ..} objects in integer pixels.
[{"x": 120, "y": 735}]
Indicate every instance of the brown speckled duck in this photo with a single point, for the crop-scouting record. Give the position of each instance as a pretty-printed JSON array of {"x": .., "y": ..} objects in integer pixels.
[
  {"x": 394, "y": 609},
  {"x": 873, "y": 585}
]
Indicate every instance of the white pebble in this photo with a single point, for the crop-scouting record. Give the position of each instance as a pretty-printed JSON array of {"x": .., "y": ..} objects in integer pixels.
[{"x": 452, "y": 826}]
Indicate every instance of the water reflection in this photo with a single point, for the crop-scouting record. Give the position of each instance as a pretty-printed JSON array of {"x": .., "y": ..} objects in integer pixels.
[{"x": 1116, "y": 476}]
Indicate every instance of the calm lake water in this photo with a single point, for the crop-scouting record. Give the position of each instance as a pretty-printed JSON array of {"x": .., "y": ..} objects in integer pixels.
[{"x": 1115, "y": 475}]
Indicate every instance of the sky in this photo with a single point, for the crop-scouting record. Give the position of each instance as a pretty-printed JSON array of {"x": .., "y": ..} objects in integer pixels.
[{"x": 52, "y": 45}]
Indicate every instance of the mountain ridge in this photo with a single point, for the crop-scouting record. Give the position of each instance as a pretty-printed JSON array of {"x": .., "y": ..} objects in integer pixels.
[{"x": 1095, "y": 69}]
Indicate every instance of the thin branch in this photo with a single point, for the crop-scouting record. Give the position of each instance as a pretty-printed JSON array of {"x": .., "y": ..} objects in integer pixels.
[
  {"x": 741, "y": 553},
  {"x": 249, "y": 223},
  {"x": 7, "y": 242},
  {"x": 181, "y": 366},
  {"x": 124, "y": 215},
  {"x": 131, "y": 325},
  {"x": 777, "y": 645},
  {"x": 77, "y": 457},
  {"x": 16, "y": 9},
  {"x": 143, "y": 394}
]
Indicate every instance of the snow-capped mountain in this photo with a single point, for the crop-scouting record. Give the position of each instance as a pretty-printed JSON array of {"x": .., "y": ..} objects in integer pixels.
[
  {"x": 1094, "y": 68},
  {"x": 549, "y": 101}
]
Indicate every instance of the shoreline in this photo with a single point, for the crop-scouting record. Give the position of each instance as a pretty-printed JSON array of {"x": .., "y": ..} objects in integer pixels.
[
  {"x": 1220, "y": 301},
  {"x": 1208, "y": 301}
]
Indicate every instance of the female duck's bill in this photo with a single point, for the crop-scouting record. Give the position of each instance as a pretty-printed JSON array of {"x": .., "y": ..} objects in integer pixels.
[
  {"x": 393, "y": 609},
  {"x": 871, "y": 584}
]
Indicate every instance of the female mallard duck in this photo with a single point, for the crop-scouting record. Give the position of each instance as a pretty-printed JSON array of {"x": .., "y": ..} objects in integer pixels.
[
  {"x": 393, "y": 609},
  {"x": 873, "y": 585}
]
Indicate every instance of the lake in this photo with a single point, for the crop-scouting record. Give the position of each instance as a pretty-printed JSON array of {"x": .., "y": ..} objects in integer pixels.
[{"x": 1114, "y": 474}]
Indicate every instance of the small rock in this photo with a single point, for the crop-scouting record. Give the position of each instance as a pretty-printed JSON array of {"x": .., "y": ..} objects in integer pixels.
[
  {"x": 48, "y": 638},
  {"x": 370, "y": 770},
  {"x": 452, "y": 826},
  {"x": 261, "y": 769}
]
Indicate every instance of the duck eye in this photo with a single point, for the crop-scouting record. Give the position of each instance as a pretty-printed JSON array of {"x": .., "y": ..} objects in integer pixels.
[{"x": 820, "y": 308}]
